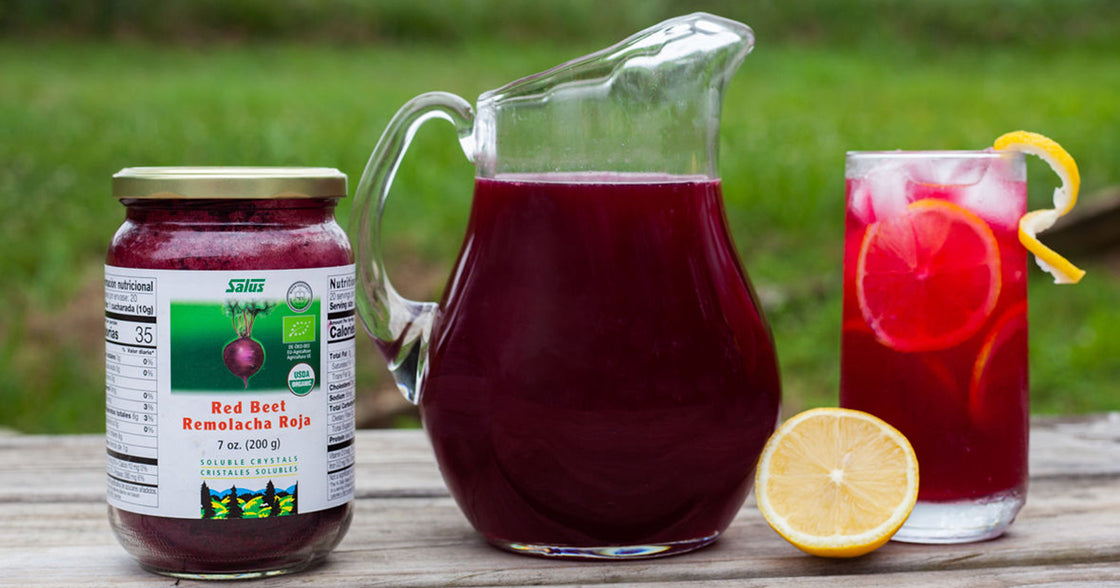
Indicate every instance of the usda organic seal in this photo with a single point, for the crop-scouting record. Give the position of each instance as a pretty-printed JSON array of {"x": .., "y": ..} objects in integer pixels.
[{"x": 301, "y": 379}]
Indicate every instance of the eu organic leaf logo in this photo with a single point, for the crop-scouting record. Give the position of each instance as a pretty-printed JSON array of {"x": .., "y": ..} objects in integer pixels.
[{"x": 299, "y": 329}]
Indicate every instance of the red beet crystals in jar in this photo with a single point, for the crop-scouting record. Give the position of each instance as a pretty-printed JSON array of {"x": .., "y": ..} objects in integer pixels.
[{"x": 229, "y": 360}]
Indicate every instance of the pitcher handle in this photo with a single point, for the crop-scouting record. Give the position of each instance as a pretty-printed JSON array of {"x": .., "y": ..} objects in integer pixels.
[{"x": 399, "y": 327}]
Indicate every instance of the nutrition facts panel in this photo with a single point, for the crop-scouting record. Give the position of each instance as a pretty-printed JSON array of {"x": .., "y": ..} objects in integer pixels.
[
  {"x": 131, "y": 424},
  {"x": 340, "y": 385}
]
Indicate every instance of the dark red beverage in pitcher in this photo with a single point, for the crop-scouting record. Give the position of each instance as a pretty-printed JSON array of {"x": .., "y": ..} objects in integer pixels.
[
  {"x": 598, "y": 380},
  {"x": 599, "y": 373}
]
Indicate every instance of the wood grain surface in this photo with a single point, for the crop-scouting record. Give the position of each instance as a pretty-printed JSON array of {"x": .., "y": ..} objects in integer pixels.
[{"x": 407, "y": 530}]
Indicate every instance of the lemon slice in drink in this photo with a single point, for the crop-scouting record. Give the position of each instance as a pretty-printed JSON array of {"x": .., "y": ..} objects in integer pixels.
[
  {"x": 928, "y": 278},
  {"x": 1065, "y": 196},
  {"x": 836, "y": 482}
]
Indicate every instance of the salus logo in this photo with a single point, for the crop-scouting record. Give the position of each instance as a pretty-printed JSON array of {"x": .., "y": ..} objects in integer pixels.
[{"x": 244, "y": 285}]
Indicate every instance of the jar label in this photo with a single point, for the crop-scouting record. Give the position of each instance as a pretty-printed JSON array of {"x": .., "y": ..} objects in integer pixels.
[{"x": 229, "y": 394}]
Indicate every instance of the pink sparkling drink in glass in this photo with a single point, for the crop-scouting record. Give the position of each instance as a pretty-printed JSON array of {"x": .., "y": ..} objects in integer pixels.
[{"x": 934, "y": 337}]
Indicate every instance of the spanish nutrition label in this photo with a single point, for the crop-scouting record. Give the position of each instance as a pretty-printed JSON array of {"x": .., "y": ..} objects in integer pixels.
[{"x": 131, "y": 423}]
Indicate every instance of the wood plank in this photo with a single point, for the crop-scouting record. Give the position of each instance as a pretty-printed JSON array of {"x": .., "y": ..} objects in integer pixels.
[
  {"x": 1080, "y": 576},
  {"x": 400, "y": 462},
  {"x": 409, "y": 532},
  {"x": 426, "y": 542},
  {"x": 71, "y": 468},
  {"x": 1087, "y": 445}
]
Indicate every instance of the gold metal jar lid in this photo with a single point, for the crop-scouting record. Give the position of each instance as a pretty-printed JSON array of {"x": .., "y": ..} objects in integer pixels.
[{"x": 229, "y": 182}]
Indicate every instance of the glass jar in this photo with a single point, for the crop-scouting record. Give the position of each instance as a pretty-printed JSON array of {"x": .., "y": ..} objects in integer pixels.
[{"x": 229, "y": 321}]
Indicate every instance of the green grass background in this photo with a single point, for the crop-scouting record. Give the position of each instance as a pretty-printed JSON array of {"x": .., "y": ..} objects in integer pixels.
[{"x": 86, "y": 92}]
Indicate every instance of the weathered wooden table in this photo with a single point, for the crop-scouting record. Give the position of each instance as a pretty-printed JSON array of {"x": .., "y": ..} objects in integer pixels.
[{"x": 407, "y": 531}]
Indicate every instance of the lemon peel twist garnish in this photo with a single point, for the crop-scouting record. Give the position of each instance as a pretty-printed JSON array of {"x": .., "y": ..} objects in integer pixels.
[{"x": 1065, "y": 196}]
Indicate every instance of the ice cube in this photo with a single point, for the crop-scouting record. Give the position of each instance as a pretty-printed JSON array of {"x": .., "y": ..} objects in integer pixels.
[
  {"x": 952, "y": 171},
  {"x": 880, "y": 193},
  {"x": 995, "y": 198}
]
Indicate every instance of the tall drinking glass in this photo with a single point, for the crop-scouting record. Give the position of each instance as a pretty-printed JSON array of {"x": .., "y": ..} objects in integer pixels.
[{"x": 935, "y": 328}]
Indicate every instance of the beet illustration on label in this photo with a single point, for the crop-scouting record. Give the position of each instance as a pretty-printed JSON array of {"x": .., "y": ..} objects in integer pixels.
[{"x": 244, "y": 356}]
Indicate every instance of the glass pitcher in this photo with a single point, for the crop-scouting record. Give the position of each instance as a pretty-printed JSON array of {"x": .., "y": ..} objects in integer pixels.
[{"x": 598, "y": 379}]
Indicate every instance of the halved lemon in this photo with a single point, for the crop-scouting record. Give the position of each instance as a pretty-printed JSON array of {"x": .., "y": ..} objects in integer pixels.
[
  {"x": 1065, "y": 196},
  {"x": 836, "y": 482}
]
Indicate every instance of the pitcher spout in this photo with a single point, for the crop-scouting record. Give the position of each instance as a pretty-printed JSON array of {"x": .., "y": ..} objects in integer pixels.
[{"x": 649, "y": 104}]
